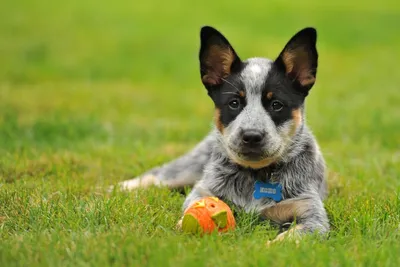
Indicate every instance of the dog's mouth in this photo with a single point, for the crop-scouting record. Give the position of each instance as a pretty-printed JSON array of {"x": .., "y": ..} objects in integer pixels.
[
  {"x": 254, "y": 154},
  {"x": 253, "y": 158},
  {"x": 251, "y": 155}
]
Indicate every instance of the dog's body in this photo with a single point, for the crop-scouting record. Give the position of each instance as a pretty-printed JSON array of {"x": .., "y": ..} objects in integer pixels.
[{"x": 260, "y": 135}]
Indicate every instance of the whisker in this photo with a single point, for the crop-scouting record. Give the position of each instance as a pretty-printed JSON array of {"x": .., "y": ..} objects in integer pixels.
[
  {"x": 228, "y": 82},
  {"x": 230, "y": 93},
  {"x": 225, "y": 80}
]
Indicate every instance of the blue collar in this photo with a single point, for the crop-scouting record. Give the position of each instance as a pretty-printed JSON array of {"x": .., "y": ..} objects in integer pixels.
[{"x": 268, "y": 188}]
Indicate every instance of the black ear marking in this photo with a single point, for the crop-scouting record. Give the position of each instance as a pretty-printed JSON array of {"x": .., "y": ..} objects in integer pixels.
[
  {"x": 217, "y": 57},
  {"x": 299, "y": 59}
]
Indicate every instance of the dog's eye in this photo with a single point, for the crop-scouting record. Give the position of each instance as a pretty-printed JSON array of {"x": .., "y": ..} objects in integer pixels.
[
  {"x": 276, "y": 105},
  {"x": 234, "y": 104}
]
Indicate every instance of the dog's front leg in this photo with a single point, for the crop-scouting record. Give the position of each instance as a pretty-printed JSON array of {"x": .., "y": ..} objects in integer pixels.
[
  {"x": 306, "y": 210},
  {"x": 183, "y": 171}
]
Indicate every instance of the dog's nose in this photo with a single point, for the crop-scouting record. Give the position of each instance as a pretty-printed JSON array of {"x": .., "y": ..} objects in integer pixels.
[{"x": 252, "y": 137}]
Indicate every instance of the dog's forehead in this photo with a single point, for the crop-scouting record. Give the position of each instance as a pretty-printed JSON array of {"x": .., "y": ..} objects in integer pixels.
[{"x": 254, "y": 74}]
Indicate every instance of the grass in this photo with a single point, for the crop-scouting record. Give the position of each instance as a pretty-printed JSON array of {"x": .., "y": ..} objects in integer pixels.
[{"x": 92, "y": 93}]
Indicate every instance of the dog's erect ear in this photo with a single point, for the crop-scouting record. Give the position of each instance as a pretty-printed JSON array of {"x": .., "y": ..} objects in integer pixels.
[
  {"x": 299, "y": 59},
  {"x": 217, "y": 57}
]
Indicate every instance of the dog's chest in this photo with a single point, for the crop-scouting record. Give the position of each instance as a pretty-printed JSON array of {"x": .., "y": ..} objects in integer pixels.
[{"x": 240, "y": 188}]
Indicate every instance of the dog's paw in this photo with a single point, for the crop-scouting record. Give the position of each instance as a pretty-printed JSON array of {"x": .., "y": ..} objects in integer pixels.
[
  {"x": 178, "y": 226},
  {"x": 293, "y": 234},
  {"x": 138, "y": 182}
]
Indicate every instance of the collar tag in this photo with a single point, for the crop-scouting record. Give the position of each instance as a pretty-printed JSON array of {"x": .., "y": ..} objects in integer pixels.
[{"x": 267, "y": 190}]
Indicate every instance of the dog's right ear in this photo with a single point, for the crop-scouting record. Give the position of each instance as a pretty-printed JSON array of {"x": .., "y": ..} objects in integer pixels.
[
  {"x": 217, "y": 57},
  {"x": 299, "y": 59}
]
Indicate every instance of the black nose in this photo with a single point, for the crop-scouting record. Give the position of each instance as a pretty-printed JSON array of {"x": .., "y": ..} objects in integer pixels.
[{"x": 252, "y": 137}]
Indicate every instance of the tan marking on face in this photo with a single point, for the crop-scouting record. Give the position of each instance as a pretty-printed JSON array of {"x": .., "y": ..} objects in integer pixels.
[
  {"x": 252, "y": 164},
  {"x": 255, "y": 164},
  {"x": 242, "y": 94},
  {"x": 269, "y": 95},
  {"x": 297, "y": 119},
  {"x": 217, "y": 120},
  {"x": 298, "y": 65},
  {"x": 286, "y": 211}
]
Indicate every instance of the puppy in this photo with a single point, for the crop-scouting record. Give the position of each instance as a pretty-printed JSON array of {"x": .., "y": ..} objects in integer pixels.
[{"x": 260, "y": 155}]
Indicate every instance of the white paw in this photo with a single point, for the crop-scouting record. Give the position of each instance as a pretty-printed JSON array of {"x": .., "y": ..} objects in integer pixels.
[
  {"x": 292, "y": 234},
  {"x": 179, "y": 224},
  {"x": 139, "y": 182}
]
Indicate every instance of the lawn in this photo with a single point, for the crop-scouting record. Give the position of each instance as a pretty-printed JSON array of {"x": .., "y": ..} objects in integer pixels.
[{"x": 95, "y": 92}]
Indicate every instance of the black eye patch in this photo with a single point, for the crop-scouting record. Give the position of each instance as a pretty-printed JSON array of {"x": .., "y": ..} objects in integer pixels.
[
  {"x": 279, "y": 97},
  {"x": 229, "y": 100}
]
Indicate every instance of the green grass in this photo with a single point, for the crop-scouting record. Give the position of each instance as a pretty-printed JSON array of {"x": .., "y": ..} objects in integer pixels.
[{"x": 94, "y": 92}]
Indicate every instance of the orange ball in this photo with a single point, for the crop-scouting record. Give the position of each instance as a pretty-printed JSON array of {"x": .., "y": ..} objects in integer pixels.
[{"x": 207, "y": 215}]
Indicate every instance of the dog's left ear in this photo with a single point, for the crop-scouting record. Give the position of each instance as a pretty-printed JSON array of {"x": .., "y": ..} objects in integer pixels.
[
  {"x": 217, "y": 57},
  {"x": 299, "y": 59}
]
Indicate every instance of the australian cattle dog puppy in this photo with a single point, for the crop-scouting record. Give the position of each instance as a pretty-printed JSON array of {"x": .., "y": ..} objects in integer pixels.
[{"x": 260, "y": 156}]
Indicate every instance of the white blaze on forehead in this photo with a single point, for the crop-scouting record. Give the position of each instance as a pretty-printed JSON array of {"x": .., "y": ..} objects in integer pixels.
[
  {"x": 255, "y": 73},
  {"x": 255, "y": 69}
]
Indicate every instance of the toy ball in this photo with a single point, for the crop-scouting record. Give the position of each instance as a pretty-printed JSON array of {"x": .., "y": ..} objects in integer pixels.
[{"x": 208, "y": 215}]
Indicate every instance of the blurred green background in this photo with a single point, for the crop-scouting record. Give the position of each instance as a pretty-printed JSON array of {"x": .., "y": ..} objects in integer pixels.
[
  {"x": 94, "y": 92},
  {"x": 156, "y": 41},
  {"x": 130, "y": 70}
]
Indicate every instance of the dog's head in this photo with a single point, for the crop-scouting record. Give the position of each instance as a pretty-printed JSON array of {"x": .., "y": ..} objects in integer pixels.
[{"x": 258, "y": 102}]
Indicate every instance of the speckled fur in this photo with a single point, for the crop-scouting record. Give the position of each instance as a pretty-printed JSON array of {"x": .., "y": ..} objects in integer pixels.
[{"x": 215, "y": 169}]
